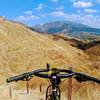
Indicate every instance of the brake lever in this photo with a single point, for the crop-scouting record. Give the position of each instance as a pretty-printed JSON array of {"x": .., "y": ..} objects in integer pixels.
[
  {"x": 23, "y": 77},
  {"x": 26, "y": 76},
  {"x": 80, "y": 77}
]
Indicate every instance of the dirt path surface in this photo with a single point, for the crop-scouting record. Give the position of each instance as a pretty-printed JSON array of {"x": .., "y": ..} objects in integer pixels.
[
  {"x": 21, "y": 94},
  {"x": 35, "y": 94}
]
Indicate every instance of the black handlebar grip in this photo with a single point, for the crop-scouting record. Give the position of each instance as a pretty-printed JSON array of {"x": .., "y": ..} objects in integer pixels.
[
  {"x": 82, "y": 77},
  {"x": 93, "y": 79},
  {"x": 25, "y": 76},
  {"x": 15, "y": 78}
]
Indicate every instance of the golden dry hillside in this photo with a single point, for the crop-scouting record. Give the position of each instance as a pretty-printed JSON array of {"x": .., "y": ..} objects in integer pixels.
[
  {"x": 23, "y": 50},
  {"x": 95, "y": 50}
]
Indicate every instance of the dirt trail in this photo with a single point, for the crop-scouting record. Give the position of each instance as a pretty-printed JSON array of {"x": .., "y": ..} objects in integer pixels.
[
  {"x": 35, "y": 94},
  {"x": 22, "y": 94}
]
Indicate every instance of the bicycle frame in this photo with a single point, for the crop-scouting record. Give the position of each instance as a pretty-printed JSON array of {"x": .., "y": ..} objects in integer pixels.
[
  {"x": 53, "y": 94},
  {"x": 53, "y": 91}
]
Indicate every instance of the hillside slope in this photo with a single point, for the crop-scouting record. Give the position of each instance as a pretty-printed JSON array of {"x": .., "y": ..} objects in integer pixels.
[
  {"x": 23, "y": 50},
  {"x": 94, "y": 50}
]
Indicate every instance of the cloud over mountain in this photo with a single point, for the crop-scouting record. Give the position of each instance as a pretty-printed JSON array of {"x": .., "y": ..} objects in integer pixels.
[{"x": 82, "y": 4}]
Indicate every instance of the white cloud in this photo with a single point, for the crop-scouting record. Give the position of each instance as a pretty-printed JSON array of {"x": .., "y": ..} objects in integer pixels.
[
  {"x": 70, "y": 17},
  {"x": 54, "y": 0},
  {"x": 82, "y": 4},
  {"x": 40, "y": 7},
  {"x": 90, "y": 11},
  {"x": 28, "y": 12},
  {"x": 87, "y": 19},
  {"x": 58, "y": 14},
  {"x": 26, "y": 18},
  {"x": 90, "y": 20}
]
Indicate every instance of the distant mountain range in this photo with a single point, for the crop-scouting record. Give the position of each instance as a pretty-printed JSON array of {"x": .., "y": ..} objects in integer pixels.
[{"x": 68, "y": 28}]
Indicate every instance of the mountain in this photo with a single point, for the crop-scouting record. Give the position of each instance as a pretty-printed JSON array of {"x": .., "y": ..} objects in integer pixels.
[
  {"x": 23, "y": 50},
  {"x": 19, "y": 46},
  {"x": 68, "y": 28}
]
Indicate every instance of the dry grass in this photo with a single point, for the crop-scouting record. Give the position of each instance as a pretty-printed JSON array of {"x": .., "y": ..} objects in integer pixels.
[
  {"x": 84, "y": 92},
  {"x": 95, "y": 50},
  {"x": 22, "y": 50}
]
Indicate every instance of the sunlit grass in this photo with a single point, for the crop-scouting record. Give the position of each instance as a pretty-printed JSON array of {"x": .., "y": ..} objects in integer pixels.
[{"x": 22, "y": 50}]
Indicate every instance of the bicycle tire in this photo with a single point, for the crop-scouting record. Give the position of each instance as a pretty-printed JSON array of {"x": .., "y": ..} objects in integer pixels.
[{"x": 49, "y": 93}]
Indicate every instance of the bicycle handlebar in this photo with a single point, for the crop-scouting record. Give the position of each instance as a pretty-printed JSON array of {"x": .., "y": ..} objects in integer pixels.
[
  {"x": 80, "y": 77},
  {"x": 24, "y": 77},
  {"x": 40, "y": 73}
]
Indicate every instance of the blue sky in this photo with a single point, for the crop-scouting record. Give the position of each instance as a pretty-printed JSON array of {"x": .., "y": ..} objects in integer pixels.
[{"x": 34, "y": 12}]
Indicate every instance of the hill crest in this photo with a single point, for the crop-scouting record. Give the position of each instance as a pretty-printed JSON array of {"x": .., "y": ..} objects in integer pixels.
[{"x": 67, "y": 28}]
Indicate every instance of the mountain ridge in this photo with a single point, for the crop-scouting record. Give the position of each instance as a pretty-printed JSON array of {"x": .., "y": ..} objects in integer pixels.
[
  {"x": 23, "y": 50},
  {"x": 67, "y": 28}
]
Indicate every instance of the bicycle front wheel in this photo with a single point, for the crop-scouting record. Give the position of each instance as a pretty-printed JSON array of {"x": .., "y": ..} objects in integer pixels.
[{"x": 53, "y": 94}]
